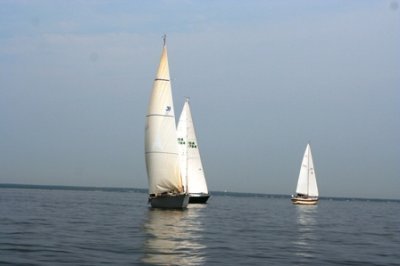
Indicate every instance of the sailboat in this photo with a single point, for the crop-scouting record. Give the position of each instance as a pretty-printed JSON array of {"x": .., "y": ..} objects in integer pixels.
[
  {"x": 306, "y": 190},
  {"x": 190, "y": 161},
  {"x": 161, "y": 148}
]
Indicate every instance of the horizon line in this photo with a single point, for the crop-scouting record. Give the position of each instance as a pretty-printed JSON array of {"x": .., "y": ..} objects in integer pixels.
[{"x": 83, "y": 187}]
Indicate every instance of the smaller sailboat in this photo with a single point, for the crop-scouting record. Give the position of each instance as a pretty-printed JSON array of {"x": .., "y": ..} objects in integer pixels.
[
  {"x": 161, "y": 150},
  {"x": 306, "y": 190},
  {"x": 191, "y": 166}
]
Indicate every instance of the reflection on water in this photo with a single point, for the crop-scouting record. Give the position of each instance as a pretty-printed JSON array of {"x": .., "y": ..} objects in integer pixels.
[
  {"x": 173, "y": 237},
  {"x": 306, "y": 237}
]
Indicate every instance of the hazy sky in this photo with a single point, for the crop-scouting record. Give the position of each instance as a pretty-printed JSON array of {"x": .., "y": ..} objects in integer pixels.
[{"x": 264, "y": 78}]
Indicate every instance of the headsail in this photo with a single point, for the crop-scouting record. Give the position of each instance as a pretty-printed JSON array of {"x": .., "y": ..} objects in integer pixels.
[
  {"x": 307, "y": 183},
  {"x": 161, "y": 149},
  {"x": 190, "y": 161}
]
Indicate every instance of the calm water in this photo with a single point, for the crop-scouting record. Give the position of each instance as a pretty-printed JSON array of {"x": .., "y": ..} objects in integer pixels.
[{"x": 45, "y": 226}]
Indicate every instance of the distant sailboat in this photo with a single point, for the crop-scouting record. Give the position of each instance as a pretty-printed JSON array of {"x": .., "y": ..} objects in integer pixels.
[
  {"x": 306, "y": 190},
  {"x": 191, "y": 167},
  {"x": 161, "y": 149}
]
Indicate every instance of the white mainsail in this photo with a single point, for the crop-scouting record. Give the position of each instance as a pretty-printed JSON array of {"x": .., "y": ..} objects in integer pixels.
[
  {"x": 190, "y": 161},
  {"x": 307, "y": 183},
  {"x": 161, "y": 148}
]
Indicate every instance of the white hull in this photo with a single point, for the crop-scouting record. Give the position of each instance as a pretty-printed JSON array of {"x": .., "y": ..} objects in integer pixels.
[{"x": 304, "y": 201}]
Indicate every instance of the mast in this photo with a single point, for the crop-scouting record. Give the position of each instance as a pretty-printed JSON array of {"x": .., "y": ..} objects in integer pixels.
[
  {"x": 308, "y": 169},
  {"x": 186, "y": 147}
]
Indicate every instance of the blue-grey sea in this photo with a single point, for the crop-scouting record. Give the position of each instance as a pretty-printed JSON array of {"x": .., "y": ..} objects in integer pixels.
[{"x": 42, "y": 225}]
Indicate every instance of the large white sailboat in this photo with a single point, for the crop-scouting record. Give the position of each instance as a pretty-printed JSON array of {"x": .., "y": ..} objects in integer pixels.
[
  {"x": 166, "y": 189},
  {"x": 306, "y": 190},
  {"x": 193, "y": 179}
]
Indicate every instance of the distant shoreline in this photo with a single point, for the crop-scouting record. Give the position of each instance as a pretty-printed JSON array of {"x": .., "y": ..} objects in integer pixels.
[{"x": 144, "y": 190}]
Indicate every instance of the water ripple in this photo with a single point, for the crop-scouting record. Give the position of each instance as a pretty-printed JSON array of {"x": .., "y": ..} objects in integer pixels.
[{"x": 101, "y": 227}]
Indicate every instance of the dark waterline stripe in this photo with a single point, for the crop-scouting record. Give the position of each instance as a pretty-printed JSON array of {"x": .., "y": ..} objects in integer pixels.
[{"x": 159, "y": 115}]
